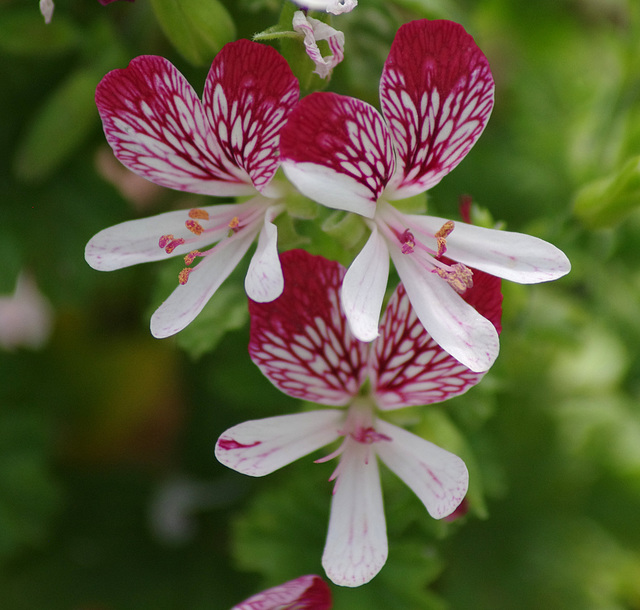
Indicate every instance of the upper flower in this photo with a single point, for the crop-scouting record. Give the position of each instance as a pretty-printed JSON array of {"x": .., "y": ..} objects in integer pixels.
[
  {"x": 436, "y": 95},
  {"x": 225, "y": 145},
  {"x": 329, "y": 6},
  {"x": 303, "y": 345},
  {"x": 303, "y": 593}
]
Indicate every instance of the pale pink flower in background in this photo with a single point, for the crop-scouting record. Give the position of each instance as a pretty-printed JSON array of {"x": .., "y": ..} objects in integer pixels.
[
  {"x": 303, "y": 593},
  {"x": 26, "y": 316},
  {"x": 225, "y": 145},
  {"x": 329, "y": 6},
  {"x": 46, "y": 8},
  {"x": 314, "y": 30},
  {"x": 303, "y": 345},
  {"x": 436, "y": 94}
]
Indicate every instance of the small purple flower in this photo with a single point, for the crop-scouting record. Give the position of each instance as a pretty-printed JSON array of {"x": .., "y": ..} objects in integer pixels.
[
  {"x": 303, "y": 345},
  {"x": 225, "y": 145},
  {"x": 436, "y": 95}
]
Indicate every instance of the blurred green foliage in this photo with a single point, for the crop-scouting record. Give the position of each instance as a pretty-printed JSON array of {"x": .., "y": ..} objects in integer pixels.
[{"x": 97, "y": 428}]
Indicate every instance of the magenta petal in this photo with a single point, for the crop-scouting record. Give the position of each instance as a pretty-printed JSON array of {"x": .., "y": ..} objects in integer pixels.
[
  {"x": 301, "y": 341},
  {"x": 436, "y": 94},
  {"x": 409, "y": 367},
  {"x": 157, "y": 127},
  {"x": 304, "y": 593},
  {"x": 249, "y": 93},
  {"x": 337, "y": 151}
]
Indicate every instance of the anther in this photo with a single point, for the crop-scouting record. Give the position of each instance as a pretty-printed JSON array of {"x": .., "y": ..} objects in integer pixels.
[
  {"x": 458, "y": 276},
  {"x": 169, "y": 244},
  {"x": 183, "y": 276},
  {"x": 194, "y": 226},
  {"x": 408, "y": 242},
  {"x": 199, "y": 213},
  {"x": 189, "y": 258},
  {"x": 441, "y": 236},
  {"x": 164, "y": 240}
]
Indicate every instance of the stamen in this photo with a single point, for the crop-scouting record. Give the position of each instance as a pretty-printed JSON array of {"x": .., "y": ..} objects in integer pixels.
[
  {"x": 183, "y": 276},
  {"x": 408, "y": 242},
  {"x": 194, "y": 226},
  {"x": 199, "y": 213},
  {"x": 458, "y": 276},
  {"x": 169, "y": 244},
  {"x": 441, "y": 237},
  {"x": 189, "y": 258},
  {"x": 234, "y": 226},
  {"x": 368, "y": 436}
]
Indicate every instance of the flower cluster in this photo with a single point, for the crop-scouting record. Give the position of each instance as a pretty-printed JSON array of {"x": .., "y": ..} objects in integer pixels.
[{"x": 316, "y": 328}]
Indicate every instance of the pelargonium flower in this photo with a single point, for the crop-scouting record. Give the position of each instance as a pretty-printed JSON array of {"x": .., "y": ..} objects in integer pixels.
[
  {"x": 303, "y": 593},
  {"x": 436, "y": 95},
  {"x": 225, "y": 145},
  {"x": 303, "y": 345},
  {"x": 328, "y": 6},
  {"x": 314, "y": 30}
]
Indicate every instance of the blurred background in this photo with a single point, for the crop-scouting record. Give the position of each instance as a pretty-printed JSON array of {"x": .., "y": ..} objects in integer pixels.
[{"x": 110, "y": 494}]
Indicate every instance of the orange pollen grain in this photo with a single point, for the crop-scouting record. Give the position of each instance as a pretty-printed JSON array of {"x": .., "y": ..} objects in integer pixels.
[
  {"x": 194, "y": 226},
  {"x": 234, "y": 223},
  {"x": 189, "y": 258},
  {"x": 458, "y": 276},
  {"x": 172, "y": 245},
  {"x": 183, "y": 276},
  {"x": 199, "y": 213},
  {"x": 441, "y": 236}
]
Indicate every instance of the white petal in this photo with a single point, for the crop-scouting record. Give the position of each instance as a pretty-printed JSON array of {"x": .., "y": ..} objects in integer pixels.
[
  {"x": 264, "y": 281},
  {"x": 46, "y": 8},
  {"x": 188, "y": 300},
  {"x": 331, "y": 188},
  {"x": 136, "y": 241},
  {"x": 314, "y": 30},
  {"x": 364, "y": 286},
  {"x": 330, "y": 6},
  {"x": 513, "y": 256},
  {"x": 258, "y": 447},
  {"x": 356, "y": 547},
  {"x": 456, "y": 326},
  {"x": 439, "y": 478}
]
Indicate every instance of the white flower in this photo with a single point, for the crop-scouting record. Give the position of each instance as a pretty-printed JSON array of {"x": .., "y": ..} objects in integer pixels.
[
  {"x": 436, "y": 95},
  {"x": 329, "y": 6},
  {"x": 302, "y": 343},
  {"x": 314, "y": 30}
]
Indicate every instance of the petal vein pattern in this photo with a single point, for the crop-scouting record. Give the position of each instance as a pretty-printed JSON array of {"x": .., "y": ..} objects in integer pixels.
[
  {"x": 343, "y": 149},
  {"x": 436, "y": 94},
  {"x": 159, "y": 129},
  {"x": 304, "y": 593},
  {"x": 300, "y": 341}
]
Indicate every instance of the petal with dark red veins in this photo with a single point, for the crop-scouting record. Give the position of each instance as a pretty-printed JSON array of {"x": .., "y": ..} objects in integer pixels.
[
  {"x": 439, "y": 478},
  {"x": 409, "y": 367},
  {"x": 249, "y": 93},
  {"x": 259, "y": 447},
  {"x": 301, "y": 341},
  {"x": 304, "y": 593},
  {"x": 157, "y": 127},
  {"x": 337, "y": 151},
  {"x": 436, "y": 93}
]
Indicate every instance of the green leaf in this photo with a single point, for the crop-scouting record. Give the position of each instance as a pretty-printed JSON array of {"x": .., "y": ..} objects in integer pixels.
[
  {"x": 61, "y": 125},
  {"x": 24, "y": 32},
  {"x": 198, "y": 29},
  {"x": 607, "y": 201}
]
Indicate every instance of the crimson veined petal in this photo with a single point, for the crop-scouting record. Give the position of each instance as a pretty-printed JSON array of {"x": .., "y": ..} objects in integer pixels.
[
  {"x": 301, "y": 341},
  {"x": 303, "y": 593},
  {"x": 249, "y": 93},
  {"x": 439, "y": 478},
  {"x": 258, "y": 447},
  {"x": 337, "y": 151},
  {"x": 364, "y": 286},
  {"x": 436, "y": 93},
  {"x": 356, "y": 547},
  {"x": 454, "y": 324},
  {"x": 264, "y": 281},
  {"x": 513, "y": 256},
  {"x": 409, "y": 367},
  {"x": 157, "y": 127},
  {"x": 188, "y": 300}
]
